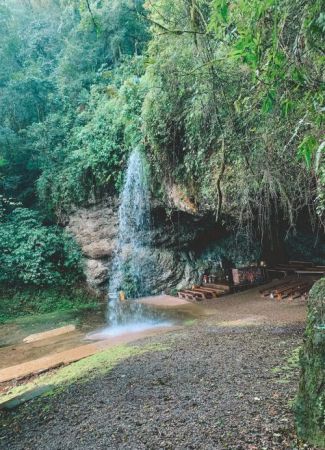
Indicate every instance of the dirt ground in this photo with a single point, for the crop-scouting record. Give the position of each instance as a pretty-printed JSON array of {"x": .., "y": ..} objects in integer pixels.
[
  {"x": 226, "y": 382},
  {"x": 250, "y": 303}
]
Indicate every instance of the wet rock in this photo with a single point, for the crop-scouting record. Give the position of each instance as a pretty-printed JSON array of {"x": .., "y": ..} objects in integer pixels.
[
  {"x": 182, "y": 242},
  {"x": 99, "y": 249},
  {"x": 95, "y": 228},
  {"x": 97, "y": 272}
]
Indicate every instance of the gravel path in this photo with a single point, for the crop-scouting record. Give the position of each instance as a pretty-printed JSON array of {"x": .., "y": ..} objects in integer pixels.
[{"x": 213, "y": 388}]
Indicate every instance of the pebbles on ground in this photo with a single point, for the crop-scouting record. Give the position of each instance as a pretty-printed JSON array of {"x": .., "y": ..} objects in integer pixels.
[{"x": 213, "y": 388}]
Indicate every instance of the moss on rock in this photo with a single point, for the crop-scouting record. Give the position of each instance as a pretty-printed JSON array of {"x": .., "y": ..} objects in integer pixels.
[{"x": 310, "y": 402}]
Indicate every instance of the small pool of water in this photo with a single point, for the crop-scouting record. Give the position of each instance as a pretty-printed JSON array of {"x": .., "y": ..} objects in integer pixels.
[
  {"x": 14, "y": 332},
  {"x": 90, "y": 326},
  {"x": 136, "y": 318},
  {"x": 120, "y": 330}
]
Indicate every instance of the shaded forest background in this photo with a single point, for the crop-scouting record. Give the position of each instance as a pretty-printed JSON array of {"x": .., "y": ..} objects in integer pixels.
[{"x": 226, "y": 98}]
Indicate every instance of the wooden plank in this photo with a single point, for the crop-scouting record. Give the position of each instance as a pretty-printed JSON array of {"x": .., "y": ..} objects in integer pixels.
[
  {"x": 287, "y": 288},
  {"x": 45, "y": 363},
  {"x": 295, "y": 285},
  {"x": 203, "y": 294},
  {"x": 49, "y": 334},
  {"x": 300, "y": 294},
  {"x": 286, "y": 293},
  {"x": 286, "y": 268},
  {"x": 186, "y": 295},
  {"x": 303, "y": 263},
  {"x": 297, "y": 292},
  {"x": 290, "y": 288},
  {"x": 310, "y": 270},
  {"x": 224, "y": 287},
  {"x": 194, "y": 294},
  {"x": 269, "y": 291},
  {"x": 270, "y": 269},
  {"x": 279, "y": 285},
  {"x": 212, "y": 291}
]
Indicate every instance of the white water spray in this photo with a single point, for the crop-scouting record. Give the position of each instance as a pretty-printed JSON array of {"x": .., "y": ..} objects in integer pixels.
[{"x": 131, "y": 265}]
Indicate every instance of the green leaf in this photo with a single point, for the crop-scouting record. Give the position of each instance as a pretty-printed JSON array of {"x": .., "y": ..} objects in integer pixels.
[
  {"x": 286, "y": 107},
  {"x": 268, "y": 102},
  {"x": 224, "y": 11},
  {"x": 307, "y": 149}
]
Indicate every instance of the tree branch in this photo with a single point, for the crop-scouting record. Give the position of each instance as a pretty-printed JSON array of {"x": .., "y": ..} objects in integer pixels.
[
  {"x": 91, "y": 14},
  {"x": 167, "y": 30}
]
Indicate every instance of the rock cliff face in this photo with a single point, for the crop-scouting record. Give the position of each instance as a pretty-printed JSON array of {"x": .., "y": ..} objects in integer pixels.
[
  {"x": 177, "y": 239},
  {"x": 95, "y": 229},
  {"x": 183, "y": 245}
]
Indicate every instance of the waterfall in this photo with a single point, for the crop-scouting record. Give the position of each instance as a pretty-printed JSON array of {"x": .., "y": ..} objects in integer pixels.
[{"x": 131, "y": 264}]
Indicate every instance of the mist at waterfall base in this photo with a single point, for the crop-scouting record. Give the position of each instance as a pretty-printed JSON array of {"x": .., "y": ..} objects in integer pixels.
[{"x": 132, "y": 267}]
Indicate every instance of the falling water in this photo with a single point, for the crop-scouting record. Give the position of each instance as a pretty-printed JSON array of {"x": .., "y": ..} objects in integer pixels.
[{"x": 131, "y": 264}]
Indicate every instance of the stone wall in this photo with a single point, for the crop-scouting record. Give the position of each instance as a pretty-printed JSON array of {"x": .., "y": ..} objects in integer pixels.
[{"x": 310, "y": 402}]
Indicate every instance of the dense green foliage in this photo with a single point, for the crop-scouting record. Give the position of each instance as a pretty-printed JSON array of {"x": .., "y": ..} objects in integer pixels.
[
  {"x": 98, "y": 144},
  {"x": 310, "y": 403},
  {"x": 234, "y": 106},
  {"x": 69, "y": 97},
  {"x": 230, "y": 104},
  {"x": 225, "y": 96},
  {"x": 70, "y": 107},
  {"x": 34, "y": 254}
]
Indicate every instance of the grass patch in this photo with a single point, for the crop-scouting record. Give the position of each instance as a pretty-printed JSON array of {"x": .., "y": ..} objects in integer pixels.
[
  {"x": 291, "y": 364},
  {"x": 15, "y": 330},
  {"x": 189, "y": 322},
  {"x": 18, "y": 303},
  {"x": 80, "y": 371}
]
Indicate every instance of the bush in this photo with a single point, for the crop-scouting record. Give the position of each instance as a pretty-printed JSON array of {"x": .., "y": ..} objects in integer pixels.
[
  {"x": 34, "y": 254},
  {"x": 310, "y": 402}
]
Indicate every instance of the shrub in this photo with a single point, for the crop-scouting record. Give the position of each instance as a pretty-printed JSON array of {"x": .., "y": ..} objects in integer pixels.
[
  {"x": 34, "y": 254},
  {"x": 310, "y": 403}
]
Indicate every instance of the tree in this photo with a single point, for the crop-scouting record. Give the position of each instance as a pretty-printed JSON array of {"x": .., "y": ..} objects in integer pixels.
[{"x": 227, "y": 112}]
